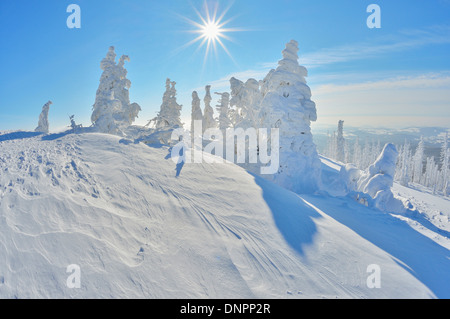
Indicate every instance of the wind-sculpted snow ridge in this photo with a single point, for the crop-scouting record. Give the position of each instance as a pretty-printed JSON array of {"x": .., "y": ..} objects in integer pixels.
[{"x": 140, "y": 226}]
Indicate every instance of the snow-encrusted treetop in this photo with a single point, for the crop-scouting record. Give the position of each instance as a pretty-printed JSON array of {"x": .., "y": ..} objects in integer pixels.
[
  {"x": 289, "y": 80},
  {"x": 110, "y": 60},
  {"x": 289, "y": 62}
]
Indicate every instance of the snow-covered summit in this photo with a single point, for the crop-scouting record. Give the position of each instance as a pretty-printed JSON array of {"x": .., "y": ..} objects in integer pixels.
[{"x": 141, "y": 226}]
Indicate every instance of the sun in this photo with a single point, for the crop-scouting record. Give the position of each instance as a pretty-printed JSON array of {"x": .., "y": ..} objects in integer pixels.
[{"x": 211, "y": 30}]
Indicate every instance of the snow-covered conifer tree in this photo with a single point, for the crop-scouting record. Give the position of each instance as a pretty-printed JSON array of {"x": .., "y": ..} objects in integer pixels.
[
  {"x": 403, "y": 170},
  {"x": 196, "y": 114},
  {"x": 331, "y": 146},
  {"x": 43, "y": 126},
  {"x": 223, "y": 108},
  {"x": 112, "y": 111},
  {"x": 445, "y": 169},
  {"x": 417, "y": 163},
  {"x": 356, "y": 159},
  {"x": 340, "y": 143},
  {"x": 208, "y": 114},
  {"x": 246, "y": 97},
  {"x": 287, "y": 106},
  {"x": 236, "y": 88},
  {"x": 169, "y": 115},
  {"x": 431, "y": 173}
]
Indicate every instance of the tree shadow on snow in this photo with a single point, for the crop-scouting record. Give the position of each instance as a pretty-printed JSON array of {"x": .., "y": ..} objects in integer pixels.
[
  {"x": 55, "y": 136},
  {"x": 181, "y": 161},
  {"x": 292, "y": 216},
  {"x": 18, "y": 135},
  {"x": 426, "y": 260}
]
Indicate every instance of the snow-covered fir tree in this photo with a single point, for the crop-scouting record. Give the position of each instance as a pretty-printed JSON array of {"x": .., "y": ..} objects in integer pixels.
[
  {"x": 236, "y": 88},
  {"x": 112, "y": 110},
  {"x": 431, "y": 176},
  {"x": 357, "y": 154},
  {"x": 445, "y": 169},
  {"x": 223, "y": 108},
  {"x": 337, "y": 147},
  {"x": 287, "y": 106},
  {"x": 403, "y": 170},
  {"x": 340, "y": 143},
  {"x": 169, "y": 116},
  {"x": 196, "y": 113},
  {"x": 43, "y": 125},
  {"x": 246, "y": 98},
  {"x": 417, "y": 162},
  {"x": 208, "y": 114}
]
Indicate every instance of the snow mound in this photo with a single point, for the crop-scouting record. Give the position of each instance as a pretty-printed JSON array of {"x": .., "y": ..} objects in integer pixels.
[
  {"x": 376, "y": 182},
  {"x": 140, "y": 226}
]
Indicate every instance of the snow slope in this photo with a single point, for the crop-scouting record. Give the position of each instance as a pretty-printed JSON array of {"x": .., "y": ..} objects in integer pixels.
[{"x": 140, "y": 226}]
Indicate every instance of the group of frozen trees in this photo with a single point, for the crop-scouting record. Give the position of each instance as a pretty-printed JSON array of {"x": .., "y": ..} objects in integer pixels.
[
  {"x": 415, "y": 167},
  {"x": 282, "y": 100},
  {"x": 362, "y": 155},
  {"x": 412, "y": 166}
]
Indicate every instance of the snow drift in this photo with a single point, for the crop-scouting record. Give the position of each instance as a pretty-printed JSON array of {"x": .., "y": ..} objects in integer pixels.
[{"x": 142, "y": 226}]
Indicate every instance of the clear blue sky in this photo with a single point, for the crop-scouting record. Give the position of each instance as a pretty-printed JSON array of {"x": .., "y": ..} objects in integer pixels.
[{"x": 397, "y": 74}]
